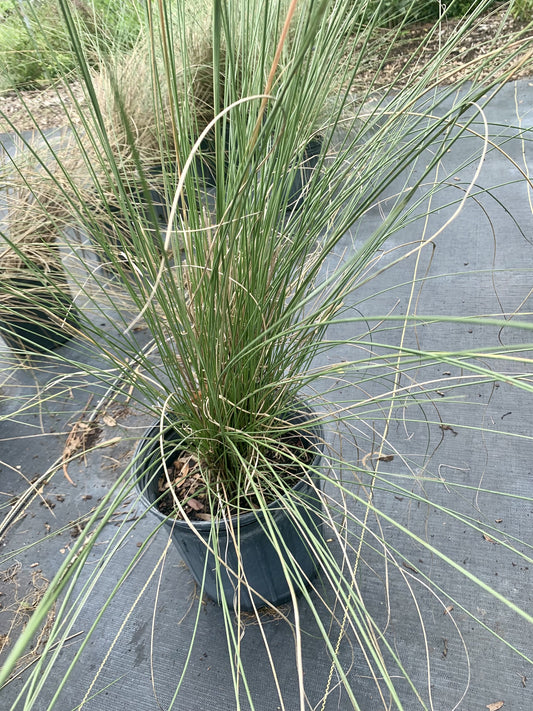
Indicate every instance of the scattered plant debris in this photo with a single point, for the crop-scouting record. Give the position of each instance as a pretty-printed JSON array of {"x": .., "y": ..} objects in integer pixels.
[
  {"x": 109, "y": 420},
  {"x": 410, "y": 567},
  {"x": 81, "y": 437},
  {"x": 22, "y": 592},
  {"x": 448, "y": 428}
]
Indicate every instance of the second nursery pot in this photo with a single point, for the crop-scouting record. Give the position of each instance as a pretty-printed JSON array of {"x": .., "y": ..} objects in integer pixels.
[
  {"x": 37, "y": 314},
  {"x": 244, "y": 544}
]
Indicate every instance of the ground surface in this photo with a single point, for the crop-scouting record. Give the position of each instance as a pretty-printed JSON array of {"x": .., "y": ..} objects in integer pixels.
[{"x": 47, "y": 107}]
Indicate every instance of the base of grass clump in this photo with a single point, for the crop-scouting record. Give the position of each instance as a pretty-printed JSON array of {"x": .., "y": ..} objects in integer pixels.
[{"x": 267, "y": 547}]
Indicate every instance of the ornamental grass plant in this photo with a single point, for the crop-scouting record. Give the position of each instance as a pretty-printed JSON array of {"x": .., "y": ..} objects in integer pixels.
[
  {"x": 35, "y": 48},
  {"x": 243, "y": 295},
  {"x": 36, "y": 310}
]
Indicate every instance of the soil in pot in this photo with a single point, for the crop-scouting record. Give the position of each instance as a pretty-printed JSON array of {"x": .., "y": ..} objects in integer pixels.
[{"x": 275, "y": 540}]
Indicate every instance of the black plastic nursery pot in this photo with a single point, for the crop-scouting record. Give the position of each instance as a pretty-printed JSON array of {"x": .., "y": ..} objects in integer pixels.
[
  {"x": 155, "y": 196},
  {"x": 116, "y": 242},
  {"x": 304, "y": 174},
  {"x": 116, "y": 227},
  {"x": 37, "y": 315},
  {"x": 255, "y": 558}
]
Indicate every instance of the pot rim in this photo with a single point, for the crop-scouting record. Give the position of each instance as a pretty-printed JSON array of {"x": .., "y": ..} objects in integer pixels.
[{"x": 244, "y": 519}]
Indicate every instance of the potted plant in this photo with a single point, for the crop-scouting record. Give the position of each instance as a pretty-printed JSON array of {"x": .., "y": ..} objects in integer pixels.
[
  {"x": 241, "y": 547},
  {"x": 239, "y": 301},
  {"x": 37, "y": 313}
]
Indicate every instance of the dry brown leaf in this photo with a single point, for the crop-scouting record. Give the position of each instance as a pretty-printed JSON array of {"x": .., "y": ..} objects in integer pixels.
[
  {"x": 379, "y": 457},
  {"x": 81, "y": 436},
  {"x": 109, "y": 421},
  {"x": 448, "y": 428},
  {"x": 489, "y": 539},
  {"x": 195, "y": 504},
  {"x": 409, "y": 567},
  {"x": 495, "y": 706},
  {"x": 448, "y": 609}
]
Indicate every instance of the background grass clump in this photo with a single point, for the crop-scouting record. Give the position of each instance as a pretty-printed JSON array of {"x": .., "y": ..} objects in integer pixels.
[
  {"x": 35, "y": 49},
  {"x": 34, "y": 44},
  {"x": 395, "y": 12},
  {"x": 523, "y": 10}
]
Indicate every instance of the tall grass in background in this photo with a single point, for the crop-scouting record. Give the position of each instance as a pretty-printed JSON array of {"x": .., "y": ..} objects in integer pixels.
[{"x": 35, "y": 48}]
